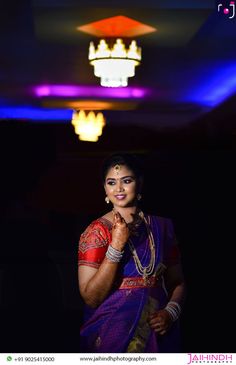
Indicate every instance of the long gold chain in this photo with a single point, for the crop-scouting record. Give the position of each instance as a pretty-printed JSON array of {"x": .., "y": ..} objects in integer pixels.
[{"x": 148, "y": 270}]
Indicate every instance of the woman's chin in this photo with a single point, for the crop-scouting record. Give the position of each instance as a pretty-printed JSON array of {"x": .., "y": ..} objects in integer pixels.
[{"x": 124, "y": 204}]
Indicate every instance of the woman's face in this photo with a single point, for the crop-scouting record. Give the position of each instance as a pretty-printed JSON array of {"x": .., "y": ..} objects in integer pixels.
[{"x": 121, "y": 186}]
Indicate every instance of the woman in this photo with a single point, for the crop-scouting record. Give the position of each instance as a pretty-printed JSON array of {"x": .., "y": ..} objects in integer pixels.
[{"x": 130, "y": 273}]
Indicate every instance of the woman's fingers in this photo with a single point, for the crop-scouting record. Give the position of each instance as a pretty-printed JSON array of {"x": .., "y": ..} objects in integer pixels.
[
  {"x": 159, "y": 328},
  {"x": 118, "y": 218},
  {"x": 154, "y": 323},
  {"x": 115, "y": 216},
  {"x": 159, "y": 323},
  {"x": 162, "y": 332}
]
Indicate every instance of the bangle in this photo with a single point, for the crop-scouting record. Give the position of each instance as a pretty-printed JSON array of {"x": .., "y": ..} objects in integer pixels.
[
  {"x": 113, "y": 254},
  {"x": 175, "y": 304},
  {"x": 174, "y": 309}
]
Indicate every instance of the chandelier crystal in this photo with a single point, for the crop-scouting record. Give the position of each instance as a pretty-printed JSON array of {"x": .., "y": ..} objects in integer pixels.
[
  {"x": 88, "y": 127},
  {"x": 115, "y": 64}
]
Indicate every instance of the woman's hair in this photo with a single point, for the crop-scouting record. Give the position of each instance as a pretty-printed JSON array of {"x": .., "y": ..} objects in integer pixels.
[{"x": 131, "y": 160}]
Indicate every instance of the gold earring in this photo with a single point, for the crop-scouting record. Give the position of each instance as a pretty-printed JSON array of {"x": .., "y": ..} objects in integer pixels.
[
  {"x": 139, "y": 197},
  {"x": 107, "y": 200}
]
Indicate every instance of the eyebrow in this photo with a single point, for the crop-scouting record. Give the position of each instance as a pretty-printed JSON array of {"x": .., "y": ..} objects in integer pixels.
[{"x": 122, "y": 178}]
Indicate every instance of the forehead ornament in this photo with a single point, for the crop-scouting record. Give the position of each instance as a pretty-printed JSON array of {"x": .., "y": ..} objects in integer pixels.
[{"x": 117, "y": 169}]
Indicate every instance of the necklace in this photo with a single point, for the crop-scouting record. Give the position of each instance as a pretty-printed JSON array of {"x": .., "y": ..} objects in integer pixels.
[{"x": 148, "y": 270}]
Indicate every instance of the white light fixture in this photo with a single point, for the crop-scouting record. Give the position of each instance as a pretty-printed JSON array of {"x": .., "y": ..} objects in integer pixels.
[
  {"x": 88, "y": 127},
  {"x": 116, "y": 63}
]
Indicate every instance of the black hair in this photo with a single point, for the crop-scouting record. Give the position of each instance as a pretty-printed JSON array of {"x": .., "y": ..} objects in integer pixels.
[{"x": 131, "y": 160}]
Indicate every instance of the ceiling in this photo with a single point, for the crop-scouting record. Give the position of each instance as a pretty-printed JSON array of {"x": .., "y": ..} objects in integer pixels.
[{"x": 188, "y": 64}]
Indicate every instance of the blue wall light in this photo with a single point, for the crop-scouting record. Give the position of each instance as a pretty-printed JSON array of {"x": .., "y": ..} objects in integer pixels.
[
  {"x": 218, "y": 85},
  {"x": 35, "y": 114}
]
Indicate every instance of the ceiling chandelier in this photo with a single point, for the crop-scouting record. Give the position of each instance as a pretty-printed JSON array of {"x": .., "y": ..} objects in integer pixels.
[
  {"x": 88, "y": 127},
  {"x": 113, "y": 63}
]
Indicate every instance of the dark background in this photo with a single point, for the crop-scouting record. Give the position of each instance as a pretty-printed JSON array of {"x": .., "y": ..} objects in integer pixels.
[
  {"x": 50, "y": 191},
  {"x": 50, "y": 186}
]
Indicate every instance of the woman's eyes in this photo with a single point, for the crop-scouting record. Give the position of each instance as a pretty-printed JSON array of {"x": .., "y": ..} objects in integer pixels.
[{"x": 126, "y": 181}]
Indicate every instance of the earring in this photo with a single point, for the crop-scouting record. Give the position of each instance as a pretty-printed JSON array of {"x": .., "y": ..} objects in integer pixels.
[
  {"x": 107, "y": 200},
  {"x": 139, "y": 196}
]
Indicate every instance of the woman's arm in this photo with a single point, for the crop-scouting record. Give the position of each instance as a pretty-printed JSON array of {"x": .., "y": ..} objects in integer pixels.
[
  {"x": 95, "y": 284},
  {"x": 162, "y": 320},
  {"x": 175, "y": 284}
]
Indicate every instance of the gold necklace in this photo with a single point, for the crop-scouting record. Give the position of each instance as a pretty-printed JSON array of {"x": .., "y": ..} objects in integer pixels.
[{"x": 148, "y": 270}]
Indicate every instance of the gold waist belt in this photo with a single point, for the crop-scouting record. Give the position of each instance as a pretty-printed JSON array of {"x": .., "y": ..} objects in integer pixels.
[{"x": 138, "y": 282}]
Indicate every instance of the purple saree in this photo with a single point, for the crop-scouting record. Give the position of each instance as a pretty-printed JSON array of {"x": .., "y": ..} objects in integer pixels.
[{"x": 120, "y": 324}]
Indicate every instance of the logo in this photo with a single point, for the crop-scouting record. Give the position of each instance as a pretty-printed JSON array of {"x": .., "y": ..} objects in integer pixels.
[
  {"x": 230, "y": 11},
  {"x": 212, "y": 358}
]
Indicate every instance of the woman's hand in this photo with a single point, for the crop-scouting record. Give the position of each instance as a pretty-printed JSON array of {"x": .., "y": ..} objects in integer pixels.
[
  {"x": 120, "y": 232},
  {"x": 160, "y": 321}
]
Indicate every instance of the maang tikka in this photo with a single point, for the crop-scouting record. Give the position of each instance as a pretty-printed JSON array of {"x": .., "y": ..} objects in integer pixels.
[{"x": 117, "y": 169}]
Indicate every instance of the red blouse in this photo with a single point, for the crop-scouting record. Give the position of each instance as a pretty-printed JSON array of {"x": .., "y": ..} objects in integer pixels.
[
  {"x": 93, "y": 244},
  {"x": 95, "y": 239}
]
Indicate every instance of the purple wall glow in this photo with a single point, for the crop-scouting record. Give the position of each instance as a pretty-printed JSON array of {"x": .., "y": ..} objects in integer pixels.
[{"x": 68, "y": 91}]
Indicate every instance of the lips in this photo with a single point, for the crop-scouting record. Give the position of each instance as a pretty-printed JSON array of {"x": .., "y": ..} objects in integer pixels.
[{"x": 120, "y": 196}]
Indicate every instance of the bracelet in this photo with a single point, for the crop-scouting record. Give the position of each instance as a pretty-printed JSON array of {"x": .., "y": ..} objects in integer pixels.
[
  {"x": 174, "y": 309},
  {"x": 113, "y": 254},
  {"x": 175, "y": 304}
]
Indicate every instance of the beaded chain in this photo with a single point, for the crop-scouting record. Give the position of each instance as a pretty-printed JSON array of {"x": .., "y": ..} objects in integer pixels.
[{"x": 148, "y": 270}]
